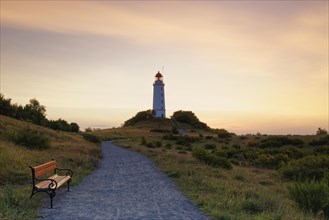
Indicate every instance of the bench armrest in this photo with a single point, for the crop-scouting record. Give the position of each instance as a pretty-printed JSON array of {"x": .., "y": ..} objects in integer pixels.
[
  {"x": 68, "y": 171},
  {"x": 52, "y": 185}
]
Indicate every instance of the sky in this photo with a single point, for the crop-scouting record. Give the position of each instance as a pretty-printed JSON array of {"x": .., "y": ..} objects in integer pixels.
[{"x": 246, "y": 66}]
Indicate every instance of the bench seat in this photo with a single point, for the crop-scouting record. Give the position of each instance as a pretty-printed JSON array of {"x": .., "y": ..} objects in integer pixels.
[{"x": 59, "y": 179}]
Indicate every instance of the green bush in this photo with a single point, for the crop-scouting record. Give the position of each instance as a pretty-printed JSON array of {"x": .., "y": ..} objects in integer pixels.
[
  {"x": 183, "y": 142},
  {"x": 310, "y": 167},
  {"x": 174, "y": 130},
  {"x": 31, "y": 139},
  {"x": 160, "y": 130},
  {"x": 170, "y": 137},
  {"x": 91, "y": 138},
  {"x": 190, "y": 118},
  {"x": 252, "y": 206},
  {"x": 158, "y": 144},
  {"x": 322, "y": 150},
  {"x": 291, "y": 152},
  {"x": 168, "y": 146},
  {"x": 279, "y": 141},
  {"x": 143, "y": 141},
  {"x": 220, "y": 153},
  {"x": 272, "y": 161},
  {"x": 320, "y": 141},
  {"x": 311, "y": 196},
  {"x": 210, "y": 146},
  {"x": 222, "y": 133},
  {"x": 211, "y": 159},
  {"x": 150, "y": 145},
  {"x": 140, "y": 116}
]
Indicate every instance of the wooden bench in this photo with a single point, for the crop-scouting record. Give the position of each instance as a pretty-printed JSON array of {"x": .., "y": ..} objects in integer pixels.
[{"x": 49, "y": 184}]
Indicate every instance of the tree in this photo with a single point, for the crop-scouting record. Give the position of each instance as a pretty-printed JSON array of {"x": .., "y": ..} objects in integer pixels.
[
  {"x": 74, "y": 127},
  {"x": 321, "y": 131},
  {"x": 5, "y": 106},
  {"x": 189, "y": 117},
  {"x": 140, "y": 116},
  {"x": 35, "y": 112}
]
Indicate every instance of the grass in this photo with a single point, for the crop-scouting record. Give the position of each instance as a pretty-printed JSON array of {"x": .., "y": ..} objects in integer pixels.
[
  {"x": 249, "y": 190},
  {"x": 244, "y": 192},
  {"x": 70, "y": 151}
]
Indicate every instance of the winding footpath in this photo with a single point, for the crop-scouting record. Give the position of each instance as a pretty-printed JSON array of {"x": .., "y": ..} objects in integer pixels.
[{"x": 126, "y": 185}]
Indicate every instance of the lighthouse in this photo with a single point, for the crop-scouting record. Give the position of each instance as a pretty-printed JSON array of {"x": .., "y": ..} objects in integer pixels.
[{"x": 159, "y": 97}]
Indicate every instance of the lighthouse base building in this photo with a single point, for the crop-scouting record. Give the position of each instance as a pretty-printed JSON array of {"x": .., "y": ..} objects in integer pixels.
[{"x": 159, "y": 109}]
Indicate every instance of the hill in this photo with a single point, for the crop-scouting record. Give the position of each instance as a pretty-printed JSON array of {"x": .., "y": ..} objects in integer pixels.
[
  {"x": 237, "y": 176},
  {"x": 70, "y": 150},
  {"x": 186, "y": 117}
]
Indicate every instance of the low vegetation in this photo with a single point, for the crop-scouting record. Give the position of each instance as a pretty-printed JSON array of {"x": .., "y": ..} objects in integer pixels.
[
  {"x": 27, "y": 137},
  {"x": 23, "y": 144},
  {"x": 233, "y": 176},
  {"x": 228, "y": 176}
]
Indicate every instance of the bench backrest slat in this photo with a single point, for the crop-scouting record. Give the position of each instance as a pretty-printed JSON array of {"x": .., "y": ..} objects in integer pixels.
[{"x": 44, "y": 168}]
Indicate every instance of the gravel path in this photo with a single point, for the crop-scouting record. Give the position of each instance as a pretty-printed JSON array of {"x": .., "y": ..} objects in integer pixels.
[{"x": 126, "y": 185}]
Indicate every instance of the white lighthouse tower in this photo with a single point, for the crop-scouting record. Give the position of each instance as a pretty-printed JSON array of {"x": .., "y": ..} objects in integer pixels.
[{"x": 159, "y": 97}]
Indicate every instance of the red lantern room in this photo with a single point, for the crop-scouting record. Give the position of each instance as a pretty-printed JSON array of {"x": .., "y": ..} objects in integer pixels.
[{"x": 158, "y": 76}]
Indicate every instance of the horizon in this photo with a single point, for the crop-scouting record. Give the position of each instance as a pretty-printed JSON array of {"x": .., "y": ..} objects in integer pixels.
[{"x": 247, "y": 67}]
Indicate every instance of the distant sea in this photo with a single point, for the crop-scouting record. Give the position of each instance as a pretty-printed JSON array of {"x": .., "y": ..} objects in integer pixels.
[{"x": 238, "y": 122}]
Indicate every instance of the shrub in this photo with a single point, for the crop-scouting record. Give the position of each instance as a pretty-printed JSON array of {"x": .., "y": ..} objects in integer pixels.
[
  {"x": 252, "y": 206},
  {"x": 311, "y": 196},
  {"x": 279, "y": 141},
  {"x": 321, "y": 131},
  {"x": 170, "y": 137},
  {"x": 173, "y": 173},
  {"x": 158, "y": 144},
  {"x": 143, "y": 141},
  {"x": 31, "y": 139},
  {"x": 140, "y": 116},
  {"x": 322, "y": 150},
  {"x": 220, "y": 153},
  {"x": 210, "y": 159},
  {"x": 91, "y": 138},
  {"x": 174, "y": 130},
  {"x": 239, "y": 177},
  {"x": 168, "y": 146},
  {"x": 210, "y": 146},
  {"x": 190, "y": 118},
  {"x": 160, "y": 130},
  {"x": 291, "y": 152},
  {"x": 310, "y": 167},
  {"x": 150, "y": 145},
  {"x": 183, "y": 142},
  {"x": 222, "y": 133},
  {"x": 252, "y": 144},
  {"x": 320, "y": 141},
  {"x": 272, "y": 161}
]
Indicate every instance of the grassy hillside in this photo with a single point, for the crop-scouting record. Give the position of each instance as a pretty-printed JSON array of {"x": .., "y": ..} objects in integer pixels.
[
  {"x": 70, "y": 151},
  {"x": 234, "y": 177}
]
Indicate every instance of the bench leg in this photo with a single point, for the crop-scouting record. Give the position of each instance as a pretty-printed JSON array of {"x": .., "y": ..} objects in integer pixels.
[
  {"x": 32, "y": 193},
  {"x": 68, "y": 186},
  {"x": 51, "y": 195}
]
